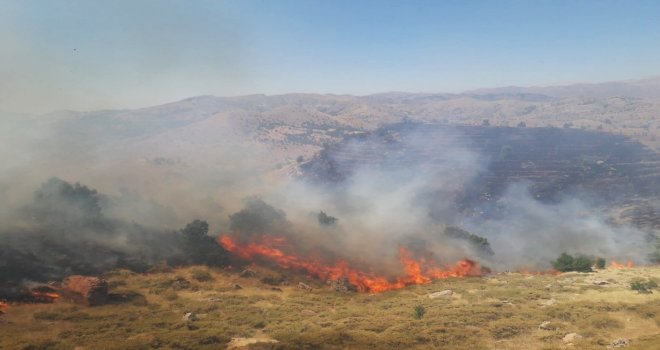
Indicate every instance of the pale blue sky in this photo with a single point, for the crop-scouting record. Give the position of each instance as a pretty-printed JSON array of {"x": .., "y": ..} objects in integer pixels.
[{"x": 112, "y": 54}]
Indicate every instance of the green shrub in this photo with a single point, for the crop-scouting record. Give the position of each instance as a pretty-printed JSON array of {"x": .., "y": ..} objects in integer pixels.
[
  {"x": 566, "y": 263},
  {"x": 419, "y": 312},
  {"x": 582, "y": 264},
  {"x": 201, "y": 275},
  {"x": 600, "y": 263},
  {"x": 643, "y": 286}
]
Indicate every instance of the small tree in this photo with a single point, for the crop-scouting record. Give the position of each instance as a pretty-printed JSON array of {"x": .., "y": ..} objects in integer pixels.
[
  {"x": 199, "y": 247},
  {"x": 564, "y": 263},
  {"x": 600, "y": 263}
]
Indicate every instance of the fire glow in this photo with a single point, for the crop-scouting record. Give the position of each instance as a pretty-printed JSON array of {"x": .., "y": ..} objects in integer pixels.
[
  {"x": 617, "y": 265},
  {"x": 273, "y": 249}
]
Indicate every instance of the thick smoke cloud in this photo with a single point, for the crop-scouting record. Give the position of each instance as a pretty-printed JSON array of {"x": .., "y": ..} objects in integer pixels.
[
  {"x": 405, "y": 188},
  {"x": 411, "y": 195}
]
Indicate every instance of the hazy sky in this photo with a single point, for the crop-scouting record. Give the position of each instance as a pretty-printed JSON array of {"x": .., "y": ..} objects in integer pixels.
[{"x": 113, "y": 54}]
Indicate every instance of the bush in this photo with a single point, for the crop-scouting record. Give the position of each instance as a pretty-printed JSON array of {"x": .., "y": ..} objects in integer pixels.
[
  {"x": 161, "y": 267},
  {"x": 201, "y": 275},
  {"x": 582, "y": 264},
  {"x": 643, "y": 286},
  {"x": 566, "y": 263},
  {"x": 419, "y": 312},
  {"x": 600, "y": 263},
  {"x": 200, "y": 248}
]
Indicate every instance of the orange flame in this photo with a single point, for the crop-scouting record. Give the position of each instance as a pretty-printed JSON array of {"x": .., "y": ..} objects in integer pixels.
[
  {"x": 44, "y": 297},
  {"x": 616, "y": 265},
  {"x": 3, "y": 307},
  {"x": 416, "y": 272}
]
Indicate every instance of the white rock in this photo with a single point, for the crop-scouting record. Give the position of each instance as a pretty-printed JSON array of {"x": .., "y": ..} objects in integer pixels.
[
  {"x": 444, "y": 293},
  {"x": 571, "y": 337},
  {"x": 190, "y": 317},
  {"x": 547, "y": 326}
]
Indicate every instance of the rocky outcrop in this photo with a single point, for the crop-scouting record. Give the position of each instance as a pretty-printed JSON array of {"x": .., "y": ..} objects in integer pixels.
[{"x": 619, "y": 343}]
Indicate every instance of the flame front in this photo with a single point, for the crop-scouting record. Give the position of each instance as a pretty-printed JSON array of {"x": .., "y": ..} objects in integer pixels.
[
  {"x": 44, "y": 297},
  {"x": 416, "y": 272},
  {"x": 617, "y": 265}
]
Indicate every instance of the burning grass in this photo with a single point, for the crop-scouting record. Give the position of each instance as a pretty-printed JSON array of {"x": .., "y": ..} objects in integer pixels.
[
  {"x": 416, "y": 271},
  {"x": 499, "y": 311}
]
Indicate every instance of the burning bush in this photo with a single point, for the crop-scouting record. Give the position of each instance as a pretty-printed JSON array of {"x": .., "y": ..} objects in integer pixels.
[{"x": 64, "y": 231}]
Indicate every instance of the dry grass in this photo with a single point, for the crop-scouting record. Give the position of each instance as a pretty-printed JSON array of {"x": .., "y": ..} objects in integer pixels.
[{"x": 495, "y": 312}]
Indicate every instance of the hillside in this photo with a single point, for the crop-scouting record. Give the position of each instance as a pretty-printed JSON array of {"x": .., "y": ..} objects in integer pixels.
[{"x": 197, "y": 308}]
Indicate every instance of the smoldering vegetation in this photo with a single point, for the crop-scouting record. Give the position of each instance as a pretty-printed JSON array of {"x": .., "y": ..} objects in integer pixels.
[
  {"x": 510, "y": 198},
  {"x": 65, "y": 230},
  {"x": 519, "y": 197}
]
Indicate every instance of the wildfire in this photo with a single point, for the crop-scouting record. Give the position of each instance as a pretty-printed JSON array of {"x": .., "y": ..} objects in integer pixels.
[
  {"x": 44, "y": 295},
  {"x": 3, "y": 307},
  {"x": 616, "y": 265},
  {"x": 416, "y": 272}
]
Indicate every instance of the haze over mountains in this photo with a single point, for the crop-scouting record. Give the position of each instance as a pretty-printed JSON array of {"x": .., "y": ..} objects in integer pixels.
[{"x": 207, "y": 141}]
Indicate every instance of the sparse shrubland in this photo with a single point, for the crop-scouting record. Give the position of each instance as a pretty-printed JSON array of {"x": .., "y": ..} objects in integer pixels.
[{"x": 498, "y": 311}]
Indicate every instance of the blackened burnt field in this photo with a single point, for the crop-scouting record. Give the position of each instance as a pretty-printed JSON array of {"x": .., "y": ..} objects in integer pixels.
[{"x": 554, "y": 163}]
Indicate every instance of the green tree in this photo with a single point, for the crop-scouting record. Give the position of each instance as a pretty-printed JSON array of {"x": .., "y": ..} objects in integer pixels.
[
  {"x": 564, "y": 263},
  {"x": 199, "y": 247},
  {"x": 256, "y": 218}
]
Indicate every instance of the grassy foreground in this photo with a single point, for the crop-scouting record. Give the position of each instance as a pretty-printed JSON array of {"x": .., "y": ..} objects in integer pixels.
[{"x": 501, "y": 311}]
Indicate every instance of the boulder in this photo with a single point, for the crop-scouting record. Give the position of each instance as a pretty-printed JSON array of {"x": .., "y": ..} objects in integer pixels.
[
  {"x": 549, "y": 302},
  {"x": 304, "y": 287},
  {"x": 248, "y": 273},
  {"x": 600, "y": 282},
  {"x": 619, "y": 343},
  {"x": 90, "y": 290},
  {"x": 444, "y": 293},
  {"x": 571, "y": 338},
  {"x": 190, "y": 317},
  {"x": 547, "y": 326}
]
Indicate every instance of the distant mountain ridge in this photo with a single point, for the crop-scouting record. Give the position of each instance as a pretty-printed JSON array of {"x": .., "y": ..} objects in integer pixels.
[{"x": 640, "y": 88}]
